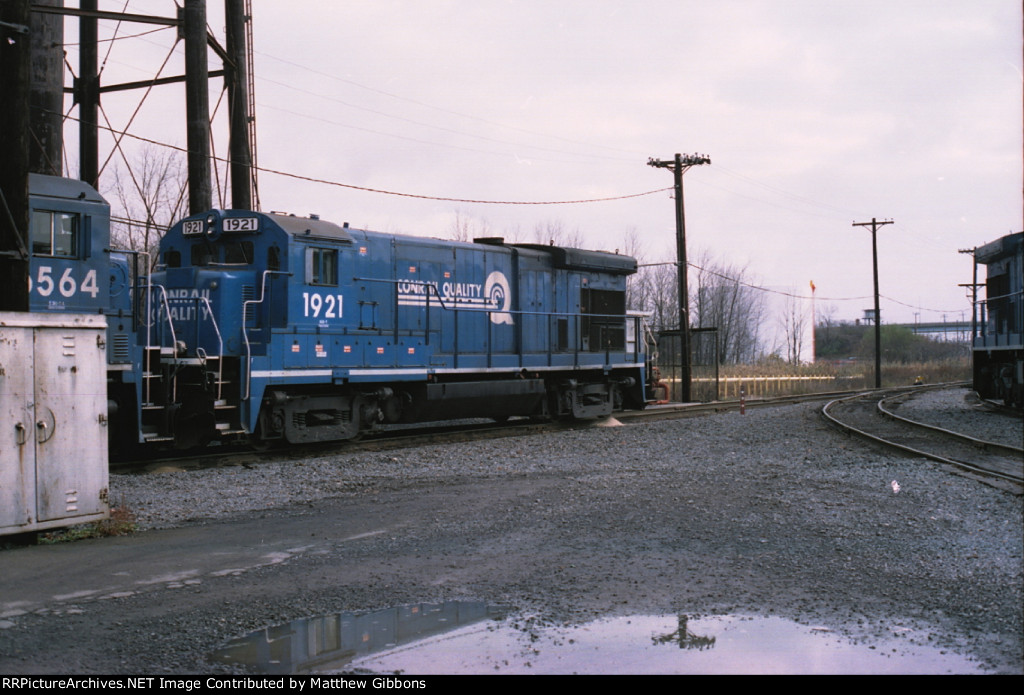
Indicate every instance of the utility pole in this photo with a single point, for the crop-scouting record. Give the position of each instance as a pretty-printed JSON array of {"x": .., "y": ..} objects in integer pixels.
[
  {"x": 679, "y": 166},
  {"x": 814, "y": 327},
  {"x": 973, "y": 286},
  {"x": 875, "y": 224}
]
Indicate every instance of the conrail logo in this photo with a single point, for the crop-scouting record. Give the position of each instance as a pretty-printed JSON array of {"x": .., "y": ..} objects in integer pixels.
[
  {"x": 494, "y": 295},
  {"x": 185, "y": 304},
  {"x": 496, "y": 289}
]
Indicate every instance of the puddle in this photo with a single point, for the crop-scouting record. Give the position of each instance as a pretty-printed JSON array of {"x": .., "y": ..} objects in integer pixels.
[
  {"x": 472, "y": 638},
  {"x": 330, "y": 643}
]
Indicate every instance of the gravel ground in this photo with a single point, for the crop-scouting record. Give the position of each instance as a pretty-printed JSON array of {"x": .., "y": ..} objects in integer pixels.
[
  {"x": 960, "y": 410},
  {"x": 768, "y": 513}
]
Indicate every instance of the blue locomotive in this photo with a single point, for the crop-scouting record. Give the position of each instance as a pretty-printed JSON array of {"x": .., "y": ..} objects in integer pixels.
[
  {"x": 287, "y": 329},
  {"x": 275, "y": 328},
  {"x": 72, "y": 269},
  {"x": 69, "y": 238},
  {"x": 999, "y": 321}
]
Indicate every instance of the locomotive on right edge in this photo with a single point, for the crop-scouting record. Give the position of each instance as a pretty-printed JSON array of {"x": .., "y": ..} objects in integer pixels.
[{"x": 999, "y": 322}]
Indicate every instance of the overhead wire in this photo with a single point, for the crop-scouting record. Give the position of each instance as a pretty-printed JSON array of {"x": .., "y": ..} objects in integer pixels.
[
  {"x": 590, "y": 155},
  {"x": 769, "y": 290},
  {"x": 728, "y": 172},
  {"x": 312, "y": 179},
  {"x": 591, "y": 146},
  {"x": 444, "y": 110},
  {"x": 752, "y": 286}
]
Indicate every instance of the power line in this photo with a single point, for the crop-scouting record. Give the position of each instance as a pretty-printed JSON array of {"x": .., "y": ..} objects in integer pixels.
[
  {"x": 404, "y": 119},
  {"x": 451, "y": 112},
  {"x": 589, "y": 155},
  {"x": 781, "y": 293},
  {"x": 382, "y": 191}
]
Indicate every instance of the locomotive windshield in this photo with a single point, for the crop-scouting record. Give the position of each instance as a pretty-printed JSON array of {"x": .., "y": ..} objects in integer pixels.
[
  {"x": 54, "y": 234},
  {"x": 222, "y": 253}
]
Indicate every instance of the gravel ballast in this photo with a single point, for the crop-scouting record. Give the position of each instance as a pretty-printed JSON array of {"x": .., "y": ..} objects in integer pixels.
[
  {"x": 960, "y": 410},
  {"x": 767, "y": 513}
]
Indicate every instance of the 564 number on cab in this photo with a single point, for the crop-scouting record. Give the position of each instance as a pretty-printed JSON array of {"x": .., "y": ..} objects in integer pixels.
[{"x": 48, "y": 281}]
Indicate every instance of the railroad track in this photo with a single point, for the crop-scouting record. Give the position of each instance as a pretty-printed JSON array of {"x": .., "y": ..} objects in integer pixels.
[
  {"x": 391, "y": 438},
  {"x": 872, "y": 416},
  {"x": 412, "y": 436},
  {"x": 395, "y": 438},
  {"x": 672, "y": 411}
]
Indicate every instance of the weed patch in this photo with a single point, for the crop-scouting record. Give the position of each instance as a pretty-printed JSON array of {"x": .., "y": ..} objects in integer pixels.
[{"x": 122, "y": 522}]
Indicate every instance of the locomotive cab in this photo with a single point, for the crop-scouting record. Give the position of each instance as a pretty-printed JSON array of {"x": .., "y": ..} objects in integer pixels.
[{"x": 69, "y": 234}]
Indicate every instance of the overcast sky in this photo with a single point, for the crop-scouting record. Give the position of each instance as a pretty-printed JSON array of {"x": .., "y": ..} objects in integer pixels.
[{"x": 815, "y": 115}]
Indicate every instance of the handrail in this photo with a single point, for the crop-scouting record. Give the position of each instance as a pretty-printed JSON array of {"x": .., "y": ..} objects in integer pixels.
[
  {"x": 245, "y": 326},
  {"x": 162, "y": 291},
  {"x": 220, "y": 343},
  {"x": 165, "y": 305},
  {"x": 431, "y": 290},
  {"x": 135, "y": 281},
  {"x": 485, "y": 310},
  {"x": 982, "y": 315}
]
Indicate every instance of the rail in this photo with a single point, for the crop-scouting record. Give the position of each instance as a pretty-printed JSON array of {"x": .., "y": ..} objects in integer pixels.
[{"x": 987, "y": 448}]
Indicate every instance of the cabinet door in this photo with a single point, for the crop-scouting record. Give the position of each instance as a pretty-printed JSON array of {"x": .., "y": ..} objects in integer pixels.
[
  {"x": 17, "y": 425},
  {"x": 69, "y": 432}
]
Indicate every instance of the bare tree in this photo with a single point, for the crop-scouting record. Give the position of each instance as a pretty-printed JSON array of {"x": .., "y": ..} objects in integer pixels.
[
  {"x": 794, "y": 322},
  {"x": 553, "y": 232},
  {"x": 513, "y": 234},
  {"x": 663, "y": 295},
  {"x": 637, "y": 285},
  {"x": 467, "y": 228},
  {"x": 726, "y": 299},
  {"x": 149, "y": 198}
]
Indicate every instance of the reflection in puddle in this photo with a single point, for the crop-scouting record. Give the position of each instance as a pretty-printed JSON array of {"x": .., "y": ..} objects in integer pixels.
[
  {"x": 458, "y": 638},
  {"x": 330, "y": 643},
  {"x": 685, "y": 639},
  {"x": 644, "y": 645}
]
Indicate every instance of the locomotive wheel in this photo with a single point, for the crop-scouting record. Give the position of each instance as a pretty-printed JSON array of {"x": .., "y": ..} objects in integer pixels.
[{"x": 258, "y": 443}]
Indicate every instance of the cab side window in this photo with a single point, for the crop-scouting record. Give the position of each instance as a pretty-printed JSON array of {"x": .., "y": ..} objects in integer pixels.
[
  {"x": 55, "y": 234},
  {"x": 322, "y": 266}
]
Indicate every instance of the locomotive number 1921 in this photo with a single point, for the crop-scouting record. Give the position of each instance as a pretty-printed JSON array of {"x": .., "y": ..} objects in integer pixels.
[
  {"x": 228, "y": 224},
  {"x": 315, "y": 304}
]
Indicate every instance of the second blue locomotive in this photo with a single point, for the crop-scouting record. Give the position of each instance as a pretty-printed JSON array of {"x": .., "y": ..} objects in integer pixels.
[
  {"x": 999, "y": 321},
  {"x": 289, "y": 329}
]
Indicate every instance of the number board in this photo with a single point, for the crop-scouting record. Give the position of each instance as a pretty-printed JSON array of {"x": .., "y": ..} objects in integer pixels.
[
  {"x": 241, "y": 224},
  {"x": 228, "y": 224}
]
